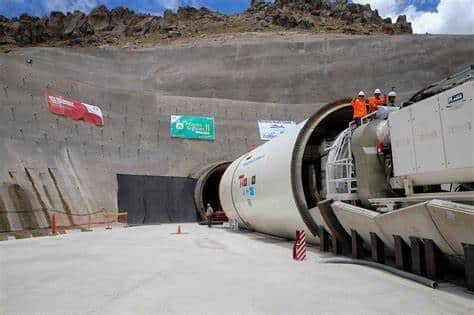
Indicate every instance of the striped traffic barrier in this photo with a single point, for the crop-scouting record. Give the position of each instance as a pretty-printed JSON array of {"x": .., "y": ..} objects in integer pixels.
[{"x": 299, "y": 248}]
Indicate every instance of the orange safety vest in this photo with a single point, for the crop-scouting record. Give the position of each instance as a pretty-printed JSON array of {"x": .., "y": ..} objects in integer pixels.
[
  {"x": 360, "y": 108},
  {"x": 374, "y": 102}
]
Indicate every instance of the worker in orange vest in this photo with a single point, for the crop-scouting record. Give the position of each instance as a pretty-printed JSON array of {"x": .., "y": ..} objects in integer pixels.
[
  {"x": 360, "y": 107},
  {"x": 376, "y": 100}
]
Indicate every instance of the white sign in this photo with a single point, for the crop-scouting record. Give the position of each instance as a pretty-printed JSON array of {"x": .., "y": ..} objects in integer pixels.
[{"x": 270, "y": 129}]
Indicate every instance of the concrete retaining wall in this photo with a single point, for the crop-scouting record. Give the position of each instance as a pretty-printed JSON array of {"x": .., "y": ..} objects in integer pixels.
[{"x": 72, "y": 166}]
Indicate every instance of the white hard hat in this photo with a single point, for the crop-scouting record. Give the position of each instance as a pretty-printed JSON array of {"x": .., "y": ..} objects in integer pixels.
[
  {"x": 361, "y": 93},
  {"x": 392, "y": 93},
  {"x": 377, "y": 91}
]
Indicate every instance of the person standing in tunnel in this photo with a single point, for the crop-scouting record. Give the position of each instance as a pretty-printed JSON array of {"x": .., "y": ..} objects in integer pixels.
[{"x": 209, "y": 213}]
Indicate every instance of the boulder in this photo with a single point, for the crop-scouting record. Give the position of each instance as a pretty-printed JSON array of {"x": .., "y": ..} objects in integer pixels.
[
  {"x": 24, "y": 17},
  {"x": 174, "y": 34},
  {"x": 402, "y": 25},
  {"x": 350, "y": 30},
  {"x": 55, "y": 24},
  {"x": 307, "y": 22},
  {"x": 38, "y": 31},
  {"x": 339, "y": 8},
  {"x": 347, "y": 17},
  {"x": 121, "y": 15},
  {"x": 387, "y": 28},
  {"x": 22, "y": 33},
  {"x": 375, "y": 18},
  {"x": 170, "y": 18},
  {"x": 284, "y": 18},
  {"x": 76, "y": 25},
  {"x": 354, "y": 8},
  {"x": 100, "y": 19},
  {"x": 187, "y": 13},
  {"x": 25, "y": 30},
  {"x": 149, "y": 24},
  {"x": 120, "y": 18},
  {"x": 254, "y": 3}
]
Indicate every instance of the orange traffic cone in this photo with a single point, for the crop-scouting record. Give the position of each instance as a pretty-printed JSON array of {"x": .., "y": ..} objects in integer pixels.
[{"x": 179, "y": 230}]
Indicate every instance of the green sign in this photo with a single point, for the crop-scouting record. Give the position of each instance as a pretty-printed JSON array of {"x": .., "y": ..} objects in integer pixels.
[{"x": 193, "y": 127}]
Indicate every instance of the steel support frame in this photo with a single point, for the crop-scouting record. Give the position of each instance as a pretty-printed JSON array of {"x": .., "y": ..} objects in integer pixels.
[
  {"x": 469, "y": 265},
  {"x": 324, "y": 239},
  {"x": 418, "y": 264},
  {"x": 377, "y": 248},
  {"x": 356, "y": 245},
  {"x": 433, "y": 259},
  {"x": 402, "y": 254}
]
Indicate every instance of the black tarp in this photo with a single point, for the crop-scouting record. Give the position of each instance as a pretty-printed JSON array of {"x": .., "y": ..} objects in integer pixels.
[{"x": 156, "y": 199}]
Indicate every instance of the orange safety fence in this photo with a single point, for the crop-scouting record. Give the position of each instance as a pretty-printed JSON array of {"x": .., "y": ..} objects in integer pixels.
[{"x": 35, "y": 219}]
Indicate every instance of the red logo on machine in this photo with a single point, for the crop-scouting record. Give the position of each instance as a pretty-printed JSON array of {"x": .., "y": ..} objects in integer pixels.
[
  {"x": 299, "y": 248},
  {"x": 243, "y": 181},
  {"x": 75, "y": 110}
]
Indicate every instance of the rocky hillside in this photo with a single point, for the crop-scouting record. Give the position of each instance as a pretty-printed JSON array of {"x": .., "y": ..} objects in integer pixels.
[{"x": 120, "y": 25}]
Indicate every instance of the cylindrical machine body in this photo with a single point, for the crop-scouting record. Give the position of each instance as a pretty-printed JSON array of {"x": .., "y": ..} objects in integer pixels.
[
  {"x": 256, "y": 189},
  {"x": 263, "y": 190},
  {"x": 370, "y": 172}
]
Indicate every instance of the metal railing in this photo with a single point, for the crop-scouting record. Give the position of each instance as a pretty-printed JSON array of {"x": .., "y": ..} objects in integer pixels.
[{"x": 341, "y": 182}]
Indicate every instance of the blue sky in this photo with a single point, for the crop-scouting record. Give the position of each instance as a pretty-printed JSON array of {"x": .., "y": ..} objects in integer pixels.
[
  {"x": 433, "y": 16},
  {"x": 12, "y": 8}
]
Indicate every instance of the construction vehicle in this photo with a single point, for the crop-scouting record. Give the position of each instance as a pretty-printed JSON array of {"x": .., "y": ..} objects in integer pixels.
[
  {"x": 401, "y": 157},
  {"x": 405, "y": 172}
]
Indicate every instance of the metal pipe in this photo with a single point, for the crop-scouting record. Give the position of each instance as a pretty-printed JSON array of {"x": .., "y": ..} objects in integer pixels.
[{"x": 403, "y": 274}]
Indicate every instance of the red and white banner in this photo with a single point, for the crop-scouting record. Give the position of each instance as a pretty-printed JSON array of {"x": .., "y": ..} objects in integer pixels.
[
  {"x": 75, "y": 110},
  {"x": 299, "y": 248}
]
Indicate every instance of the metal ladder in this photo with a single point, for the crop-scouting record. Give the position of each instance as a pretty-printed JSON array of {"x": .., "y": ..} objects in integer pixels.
[{"x": 341, "y": 182}]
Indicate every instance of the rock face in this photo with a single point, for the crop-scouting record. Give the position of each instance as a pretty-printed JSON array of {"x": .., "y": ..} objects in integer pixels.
[{"x": 102, "y": 25}]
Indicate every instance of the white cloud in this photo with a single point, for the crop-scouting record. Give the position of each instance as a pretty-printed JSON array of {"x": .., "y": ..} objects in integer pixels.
[
  {"x": 175, "y": 4},
  {"x": 70, "y": 5},
  {"x": 169, "y": 4},
  {"x": 385, "y": 7},
  {"x": 450, "y": 17},
  {"x": 88, "y": 5}
]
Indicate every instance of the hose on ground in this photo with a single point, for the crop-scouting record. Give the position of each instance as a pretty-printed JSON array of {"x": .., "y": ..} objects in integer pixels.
[{"x": 403, "y": 274}]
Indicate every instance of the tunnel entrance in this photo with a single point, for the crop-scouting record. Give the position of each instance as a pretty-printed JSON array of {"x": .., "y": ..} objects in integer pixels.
[
  {"x": 207, "y": 191},
  {"x": 156, "y": 199},
  {"x": 315, "y": 154},
  {"x": 309, "y": 156}
]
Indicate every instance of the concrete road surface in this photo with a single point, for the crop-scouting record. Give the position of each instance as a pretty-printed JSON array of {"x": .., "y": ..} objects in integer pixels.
[{"x": 204, "y": 271}]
